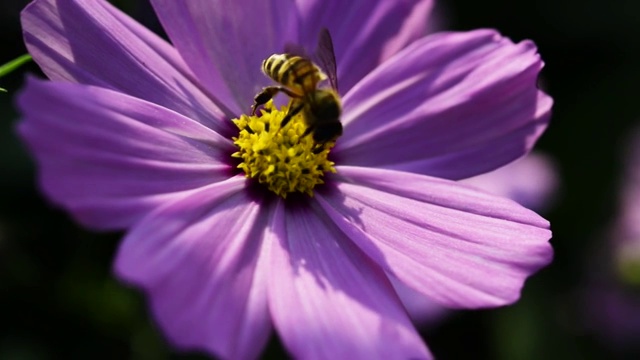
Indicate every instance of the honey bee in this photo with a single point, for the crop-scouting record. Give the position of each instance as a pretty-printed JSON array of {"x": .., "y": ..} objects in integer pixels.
[{"x": 299, "y": 77}]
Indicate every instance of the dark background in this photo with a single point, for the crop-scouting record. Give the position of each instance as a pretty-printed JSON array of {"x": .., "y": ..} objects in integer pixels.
[{"x": 59, "y": 300}]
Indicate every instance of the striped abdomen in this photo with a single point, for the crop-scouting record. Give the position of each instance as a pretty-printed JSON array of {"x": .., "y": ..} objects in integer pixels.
[{"x": 297, "y": 73}]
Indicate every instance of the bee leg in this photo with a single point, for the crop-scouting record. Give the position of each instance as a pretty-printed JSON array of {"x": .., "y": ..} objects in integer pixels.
[
  {"x": 267, "y": 94},
  {"x": 263, "y": 97},
  {"x": 308, "y": 131},
  {"x": 293, "y": 111},
  {"x": 318, "y": 148}
]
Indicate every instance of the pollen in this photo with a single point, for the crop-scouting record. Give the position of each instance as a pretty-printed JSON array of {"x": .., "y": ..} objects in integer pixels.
[{"x": 280, "y": 158}]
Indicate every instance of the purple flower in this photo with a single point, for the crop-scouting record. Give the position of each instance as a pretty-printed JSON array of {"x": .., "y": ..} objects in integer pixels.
[
  {"x": 133, "y": 133},
  {"x": 612, "y": 303},
  {"x": 627, "y": 227},
  {"x": 531, "y": 181}
]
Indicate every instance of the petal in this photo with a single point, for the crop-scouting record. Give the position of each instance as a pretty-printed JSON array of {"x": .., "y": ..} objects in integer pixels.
[
  {"x": 225, "y": 42},
  {"x": 91, "y": 42},
  {"x": 198, "y": 259},
  {"x": 451, "y": 105},
  {"x": 531, "y": 181},
  {"x": 327, "y": 299},
  {"x": 364, "y": 32},
  {"x": 109, "y": 158},
  {"x": 452, "y": 243}
]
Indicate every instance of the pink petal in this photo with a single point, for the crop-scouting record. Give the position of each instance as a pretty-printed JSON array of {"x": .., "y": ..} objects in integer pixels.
[
  {"x": 451, "y": 105},
  {"x": 224, "y": 42},
  {"x": 458, "y": 246},
  {"x": 110, "y": 158},
  {"x": 91, "y": 42},
  {"x": 365, "y": 32},
  {"x": 199, "y": 260},
  {"x": 327, "y": 299}
]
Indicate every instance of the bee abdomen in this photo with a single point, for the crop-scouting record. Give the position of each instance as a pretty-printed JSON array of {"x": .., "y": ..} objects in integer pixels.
[{"x": 292, "y": 71}]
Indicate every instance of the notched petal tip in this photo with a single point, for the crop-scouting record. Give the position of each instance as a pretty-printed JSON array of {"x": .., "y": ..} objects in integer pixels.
[
  {"x": 461, "y": 247},
  {"x": 460, "y": 103},
  {"x": 92, "y": 42}
]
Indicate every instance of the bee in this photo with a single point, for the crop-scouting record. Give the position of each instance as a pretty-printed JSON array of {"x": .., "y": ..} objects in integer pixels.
[{"x": 299, "y": 78}]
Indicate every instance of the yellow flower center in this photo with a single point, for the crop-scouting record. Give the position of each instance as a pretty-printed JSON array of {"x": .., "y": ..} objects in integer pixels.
[{"x": 279, "y": 157}]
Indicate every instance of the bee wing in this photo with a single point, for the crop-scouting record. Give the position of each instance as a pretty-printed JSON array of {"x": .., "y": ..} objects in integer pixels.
[
  {"x": 326, "y": 57},
  {"x": 299, "y": 50}
]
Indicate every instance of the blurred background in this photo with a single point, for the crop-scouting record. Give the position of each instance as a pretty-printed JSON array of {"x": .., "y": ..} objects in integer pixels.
[{"x": 58, "y": 298}]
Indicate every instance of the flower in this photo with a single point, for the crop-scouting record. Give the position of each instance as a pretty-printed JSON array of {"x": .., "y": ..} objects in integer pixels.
[
  {"x": 531, "y": 181},
  {"x": 612, "y": 301},
  {"x": 133, "y": 133},
  {"x": 625, "y": 234}
]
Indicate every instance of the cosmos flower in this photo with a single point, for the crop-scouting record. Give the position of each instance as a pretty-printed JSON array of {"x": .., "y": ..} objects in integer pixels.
[
  {"x": 531, "y": 181},
  {"x": 626, "y": 230},
  {"x": 134, "y": 133},
  {"x": 612, "y": 306}
]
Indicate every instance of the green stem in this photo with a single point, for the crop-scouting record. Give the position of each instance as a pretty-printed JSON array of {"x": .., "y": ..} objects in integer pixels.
[{"x": 14, "y": 64}]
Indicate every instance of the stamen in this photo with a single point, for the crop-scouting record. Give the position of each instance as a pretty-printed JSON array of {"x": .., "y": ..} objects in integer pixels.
[{"x": 279, "y": 157}]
